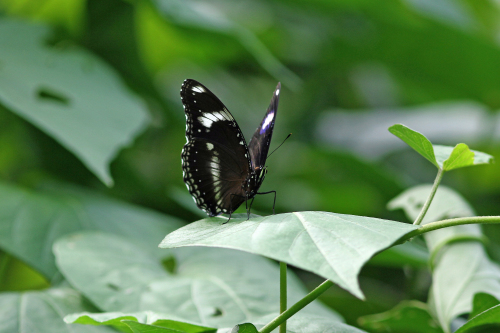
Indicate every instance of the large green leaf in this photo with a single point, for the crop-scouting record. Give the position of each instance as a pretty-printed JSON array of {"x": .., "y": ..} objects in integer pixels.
[
  {"x": 31, "y": 221},
  {"x": 408, "y": 317},
  {"x": 43, "y": 312},
  {"x": 300, "y": 322},
  {"x": 69, "y": 94},
  {"x": 210, "y": 287},
  {"x": 443, "y": 157},
  {"x": 461, "y": 269},
  {"x": 334, "y": 246}
]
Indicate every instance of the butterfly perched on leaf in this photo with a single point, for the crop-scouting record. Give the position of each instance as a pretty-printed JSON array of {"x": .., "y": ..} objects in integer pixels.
[{"x": 220, "y": 170}]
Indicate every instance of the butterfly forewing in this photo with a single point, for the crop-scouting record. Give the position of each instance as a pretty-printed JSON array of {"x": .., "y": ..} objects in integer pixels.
[
  {"x": 215, "y": 159},
  {"x": 261, "y": 139}
]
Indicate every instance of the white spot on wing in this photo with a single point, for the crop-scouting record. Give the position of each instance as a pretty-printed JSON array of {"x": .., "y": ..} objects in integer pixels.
[
  {"x": 198, "y": 89},
  {"x": 267, "y": 122},
  {"x": 210, "y": 146}
]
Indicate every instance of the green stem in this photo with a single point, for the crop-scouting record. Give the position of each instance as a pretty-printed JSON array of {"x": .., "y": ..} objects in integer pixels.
[
  {"x": 297, "y": 307},
  {"x": 420, "y": 216},
  {"x": 449, "y": 223},
  {"x": 283, "y": 294}
]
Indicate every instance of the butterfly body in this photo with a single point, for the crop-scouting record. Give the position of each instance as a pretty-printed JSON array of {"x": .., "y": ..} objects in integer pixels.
[{"x": 220, "y": 170}]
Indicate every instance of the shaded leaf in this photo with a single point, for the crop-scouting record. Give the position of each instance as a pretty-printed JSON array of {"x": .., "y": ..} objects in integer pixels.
[
  {"x": 43, "y": 312},
  {"x": 483, "y": 302},
  {"x": 334, "y": 246},
  {"x": 37, "y": 219},
  {"x": 488, "y": 317},
  {"x": 206, "y": 289},
  {"x": 401, "y": 256},
  {"x": 407, "y": 316},
  {"x": 69, "y": 94}
]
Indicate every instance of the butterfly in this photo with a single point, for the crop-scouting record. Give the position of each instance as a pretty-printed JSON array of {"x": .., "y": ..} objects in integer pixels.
[{"x": 220, "y": 170}]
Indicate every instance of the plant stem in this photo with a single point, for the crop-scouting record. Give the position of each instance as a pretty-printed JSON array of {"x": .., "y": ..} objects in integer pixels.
[
  {"x": 420, "y": 216},
  {"x": 283, "y": 294},
  {"x": 449, "y": 223},
  {"x": 297, "y": 307}
]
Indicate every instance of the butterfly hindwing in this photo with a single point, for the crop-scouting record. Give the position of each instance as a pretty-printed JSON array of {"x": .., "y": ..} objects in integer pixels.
[
  {"x": 215, "y": 159},
  {"x": 261, "y": 139}
]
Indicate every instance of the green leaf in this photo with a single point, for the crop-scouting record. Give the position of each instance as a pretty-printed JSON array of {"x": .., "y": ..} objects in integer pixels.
[
  {"x": 443, "y": 157},
  {"x": 39, "y": 218},
  {"x": 244, "y": 328},
  {"x": 211, "y": 287},
  {"x": 403, "y": 255},
  {"x": 43, "y": 312},
  {"x": 461, "y": 269},
  {"x": 416, "y": 140},
  {"x": 488, "y": 317},
  {"x": 460, "y": 156},
  {"x": 334, "y": 246},
  {"x": 136, "y": 322},
  {"x": 407, "y": 316},
  {"x": 482, "y": 302},
  {"x": 69, "y": 94}
]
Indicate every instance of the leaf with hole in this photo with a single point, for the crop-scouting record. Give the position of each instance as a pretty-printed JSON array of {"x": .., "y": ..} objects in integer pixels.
[
  {"x": 68, "y": 93},
  {"x": 206, "y": 287}
]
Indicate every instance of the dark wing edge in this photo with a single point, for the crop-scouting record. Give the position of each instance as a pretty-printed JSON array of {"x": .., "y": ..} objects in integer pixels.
[
  {"x": 261, "y": 139},
  {"x": 215, "y": 155}
]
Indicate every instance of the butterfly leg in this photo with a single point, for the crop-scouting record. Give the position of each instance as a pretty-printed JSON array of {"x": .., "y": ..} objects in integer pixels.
[
  {"x": 274, "y": 203},
  {"x": 249, "y": 208}
]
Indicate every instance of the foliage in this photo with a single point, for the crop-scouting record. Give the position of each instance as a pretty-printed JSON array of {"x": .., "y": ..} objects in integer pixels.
[{"x": 91, "y": 129}]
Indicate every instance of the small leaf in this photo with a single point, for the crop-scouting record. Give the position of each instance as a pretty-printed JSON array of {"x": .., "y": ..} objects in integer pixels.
[
  {"x": 460, "y": 156},
  {"x": 416, "y": 140},
  {"x": 407, "y": 316},
  {"x": 334, "y": 246},
  {"x": 488, "y": 317},
  {"x": 482, "y": 302},
  {"x": 443, "y": 157},
  {"x": 244, "y": 328}
]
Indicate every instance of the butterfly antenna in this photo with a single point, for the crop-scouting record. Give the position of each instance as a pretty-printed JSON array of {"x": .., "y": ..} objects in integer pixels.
[{"x": 280, "y": 145}]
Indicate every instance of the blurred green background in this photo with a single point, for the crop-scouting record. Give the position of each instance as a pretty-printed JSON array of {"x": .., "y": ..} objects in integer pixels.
[{"x": 349, "y": 70}]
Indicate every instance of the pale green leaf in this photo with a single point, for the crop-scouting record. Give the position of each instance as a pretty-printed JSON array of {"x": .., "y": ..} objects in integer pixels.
[
  {"x": 43, "y": 312},
  {"x": 334, "y": 246},
  {"x": 461, "y": 269},
  {"x": 38, "y": 218},
  {"x": 205, "y": 288},
  {"x": 68, "y": 93},
  {"x": 460, "y": 156}
]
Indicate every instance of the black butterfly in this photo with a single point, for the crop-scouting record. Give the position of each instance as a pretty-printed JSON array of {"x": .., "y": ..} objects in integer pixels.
[{"x": 219, "y": 169}]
